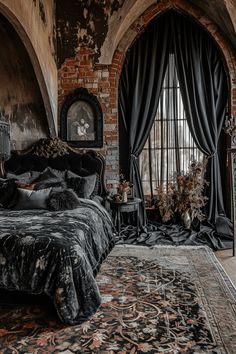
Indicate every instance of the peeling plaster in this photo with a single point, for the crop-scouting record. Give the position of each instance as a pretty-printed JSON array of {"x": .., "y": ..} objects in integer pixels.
[
  {"x": 118, "y": 25},
  {"x": 83, "y": 23},
  {"x": 222, "y": 12},
  {"x": 42, "y": 12}
]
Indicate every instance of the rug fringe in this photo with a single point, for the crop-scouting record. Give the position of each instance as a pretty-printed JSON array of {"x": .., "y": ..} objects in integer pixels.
[{"x": 125, "y": 245}]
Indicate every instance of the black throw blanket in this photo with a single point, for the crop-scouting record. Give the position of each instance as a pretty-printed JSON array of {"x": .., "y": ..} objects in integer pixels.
[{"x": 155, "y": 233}]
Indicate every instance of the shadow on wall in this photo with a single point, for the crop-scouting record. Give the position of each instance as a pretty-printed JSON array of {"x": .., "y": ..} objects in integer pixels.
[{"x": 20, "y": 96}]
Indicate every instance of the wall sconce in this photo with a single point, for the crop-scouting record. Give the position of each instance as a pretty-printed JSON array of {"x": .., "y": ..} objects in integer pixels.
[{"x": 4, "y": 141}]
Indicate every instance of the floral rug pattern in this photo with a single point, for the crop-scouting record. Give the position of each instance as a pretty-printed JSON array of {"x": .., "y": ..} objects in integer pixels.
[{"x": 163, "y": 300}]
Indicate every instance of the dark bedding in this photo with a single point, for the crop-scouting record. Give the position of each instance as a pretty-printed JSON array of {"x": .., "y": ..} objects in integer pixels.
[{"x": 56, "y": 253}]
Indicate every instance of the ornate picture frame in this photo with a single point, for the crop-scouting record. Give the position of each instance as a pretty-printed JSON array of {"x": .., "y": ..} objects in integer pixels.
[{"x": 82, "y": 120}]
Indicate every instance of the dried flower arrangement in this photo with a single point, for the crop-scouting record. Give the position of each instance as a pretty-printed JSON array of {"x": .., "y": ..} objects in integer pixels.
[
  {"x": 185, "y": 194},
  {"x": 124, "y": 188}
]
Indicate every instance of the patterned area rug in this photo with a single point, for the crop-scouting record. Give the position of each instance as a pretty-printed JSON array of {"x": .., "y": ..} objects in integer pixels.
[{"x": 158, "y": 300}]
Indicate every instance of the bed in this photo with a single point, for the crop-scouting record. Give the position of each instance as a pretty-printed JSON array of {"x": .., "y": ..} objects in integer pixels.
[{"x": 55, "y": 250}]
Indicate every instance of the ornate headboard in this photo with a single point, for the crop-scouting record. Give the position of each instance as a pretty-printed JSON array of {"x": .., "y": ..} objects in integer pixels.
[{"x": 59, "y": 155}]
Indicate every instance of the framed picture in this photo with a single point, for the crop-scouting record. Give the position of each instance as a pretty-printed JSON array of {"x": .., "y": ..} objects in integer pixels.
[{"x": 82, "y": 120}]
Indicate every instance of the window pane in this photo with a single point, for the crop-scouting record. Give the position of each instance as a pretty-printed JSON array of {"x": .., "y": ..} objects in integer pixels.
[{"x": 170, "y": 141}]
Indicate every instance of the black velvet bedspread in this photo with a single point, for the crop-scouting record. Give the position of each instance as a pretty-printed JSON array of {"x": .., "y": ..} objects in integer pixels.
[{"x": 56, "y": 253}]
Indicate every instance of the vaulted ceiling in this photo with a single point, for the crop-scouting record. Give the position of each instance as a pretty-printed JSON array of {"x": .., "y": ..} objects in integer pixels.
[
  {"x": 223, "y": 13},
  {"x": 220, "y": 12}
]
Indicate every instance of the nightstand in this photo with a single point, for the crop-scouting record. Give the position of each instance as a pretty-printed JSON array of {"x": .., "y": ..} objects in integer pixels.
[{"x": 132, "y": 205}]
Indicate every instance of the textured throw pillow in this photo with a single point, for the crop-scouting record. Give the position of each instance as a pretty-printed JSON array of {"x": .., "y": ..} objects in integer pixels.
[
  {"x": 83, "y": 186},
  {"x": 23, "y": 177},
  {"x": 44, "y": 175},
  {"x": 30, "y": 199},
  {"x": 54, "y": 182},
  {"x": 48, "y": 179},
  {"x": 25, "y": 185},
  {"x": 58, "y": 173},
  {"x": 52, "y": 171},
  {"x": 8, "y": 193},
  {"x": 62, "y": 200}
]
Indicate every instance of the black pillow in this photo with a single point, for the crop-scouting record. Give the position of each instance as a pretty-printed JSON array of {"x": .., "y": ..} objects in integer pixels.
[
  {"x": 8, "y": 193},
  {"x": 45, "y": 175},
  {"x": 23, "y": 177},
  {"x": 53, "y": 182},
  {"x": 62, "y": 200},
  {"x": 48, "y": 178},
  {"x": 31, "y": 199},
  {"x": 83, "y": 186}
]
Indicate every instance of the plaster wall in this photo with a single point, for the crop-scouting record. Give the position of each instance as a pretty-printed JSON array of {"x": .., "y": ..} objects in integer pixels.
[
  {"x": 34, "y": 21},
  {"x": 20, "y": 96}
]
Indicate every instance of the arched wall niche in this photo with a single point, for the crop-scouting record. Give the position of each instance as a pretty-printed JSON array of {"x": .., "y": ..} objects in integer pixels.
[
  {"x": 225, "y": 48},
  {"x": 186, "y": 9},
  {"x": 41, "y": 123}
]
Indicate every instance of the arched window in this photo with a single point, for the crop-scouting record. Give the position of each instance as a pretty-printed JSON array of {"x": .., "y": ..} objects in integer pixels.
[{"x": 170, "y": 146}]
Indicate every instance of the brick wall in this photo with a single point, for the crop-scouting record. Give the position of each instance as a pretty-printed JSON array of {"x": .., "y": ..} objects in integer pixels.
[{"x": 102, "y": 80}]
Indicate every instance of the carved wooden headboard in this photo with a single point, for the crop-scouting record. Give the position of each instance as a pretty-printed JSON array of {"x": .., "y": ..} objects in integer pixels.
[{"x": 59, "y": 155}]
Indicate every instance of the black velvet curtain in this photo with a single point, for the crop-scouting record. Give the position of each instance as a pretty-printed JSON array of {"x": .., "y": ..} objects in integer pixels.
[
  {"x": 203, "y": 84},
  {"x": 204, "y": 88},
  {"x": 139, "y": 90}
]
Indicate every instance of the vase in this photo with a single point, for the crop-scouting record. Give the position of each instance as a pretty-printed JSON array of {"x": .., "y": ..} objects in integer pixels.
[
  {"x": 124, "y": 197},
  {"x": 186, "y": 219}
]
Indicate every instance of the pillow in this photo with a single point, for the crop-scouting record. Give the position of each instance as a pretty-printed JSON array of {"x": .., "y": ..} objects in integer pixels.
[
  {"x": 44, "y": 175},
  {"x": 23, "y": 177},
  {"x": 30, "y": 199},
  {"x": 48, "y": 179},
  {"x": 62, "y": 200},
  {"x": 83, "y": 186},
  {"x": 58, "y": 173},
  {"x": 24, "y": 185},
  {"x": 55, "y": 173},
  {"x": 53, "y": 182},
  {"x": 8, "y": 193}
]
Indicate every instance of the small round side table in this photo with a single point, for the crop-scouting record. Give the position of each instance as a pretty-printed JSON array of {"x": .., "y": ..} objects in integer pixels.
[{"x": 132, "y": 205}]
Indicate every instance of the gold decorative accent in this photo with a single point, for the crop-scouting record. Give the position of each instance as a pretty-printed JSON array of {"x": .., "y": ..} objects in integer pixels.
[
  {"x": 52, "y": 147},
  {"x": 49, "y": 147}
]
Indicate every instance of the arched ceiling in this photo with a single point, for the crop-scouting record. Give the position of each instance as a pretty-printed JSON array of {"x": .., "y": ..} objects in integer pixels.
[{"x": 221, "y": 12}]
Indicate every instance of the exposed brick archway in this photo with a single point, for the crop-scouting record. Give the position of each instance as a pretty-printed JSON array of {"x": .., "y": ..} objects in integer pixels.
[
  {"x": 103, "y": 79},
  {"x": 184, "y": 7}
]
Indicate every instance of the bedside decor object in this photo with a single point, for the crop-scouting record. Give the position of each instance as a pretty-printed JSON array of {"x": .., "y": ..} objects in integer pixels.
[
  {"x": 184, "y": 196},
  {"x": 230, "y": 128},
  {"x": 124, "y": 188},
  {"x": 125, "y": 207},
  {"x": 4, "y": 140},
  {"x": 82, "y": 120}
]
